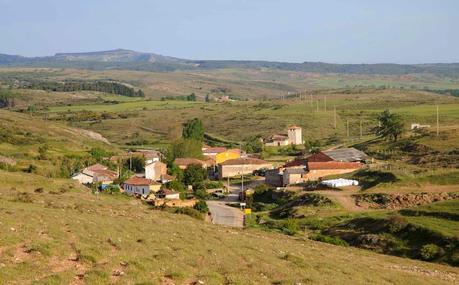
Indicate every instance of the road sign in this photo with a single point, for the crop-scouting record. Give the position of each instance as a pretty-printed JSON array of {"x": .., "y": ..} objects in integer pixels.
[{"x": 247, "y": 211}]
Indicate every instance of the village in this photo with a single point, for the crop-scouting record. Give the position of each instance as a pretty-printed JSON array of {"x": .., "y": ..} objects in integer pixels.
[{"x": 222, "y": 170}]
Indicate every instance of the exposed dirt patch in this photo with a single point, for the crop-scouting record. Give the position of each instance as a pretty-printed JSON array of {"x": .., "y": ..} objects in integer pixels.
[
  {"x": 399, "y": 201},
  {"x": 448, "y": 276}
]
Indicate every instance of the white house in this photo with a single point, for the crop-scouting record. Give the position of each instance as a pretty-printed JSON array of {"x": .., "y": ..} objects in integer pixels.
[
  {"x": 83, "y": 178},
  {"x": 140, "y": 186},
  {"x": 154, "y": 170},
  {"x": 95, "y": 173}
]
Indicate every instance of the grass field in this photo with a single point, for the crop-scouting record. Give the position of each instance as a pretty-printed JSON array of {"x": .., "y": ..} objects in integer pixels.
[
  {"x": 236, "y": 121},
  {"x": 240, "y": 83}
]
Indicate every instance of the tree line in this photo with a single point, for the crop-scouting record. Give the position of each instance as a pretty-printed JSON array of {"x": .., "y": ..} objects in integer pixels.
[{"x": 100, "y": 86}]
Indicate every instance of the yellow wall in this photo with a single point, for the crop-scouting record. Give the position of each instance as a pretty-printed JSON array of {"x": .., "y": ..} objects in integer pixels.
[
  {"x": 155, "y": 187},
  {"x": 226, "y": 155}
]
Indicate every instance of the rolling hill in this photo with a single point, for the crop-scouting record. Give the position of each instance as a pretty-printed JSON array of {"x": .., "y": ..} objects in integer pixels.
[{"x": 133, "y": 60}]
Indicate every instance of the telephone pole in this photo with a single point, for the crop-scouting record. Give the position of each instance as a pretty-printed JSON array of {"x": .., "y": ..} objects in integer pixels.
[
  {"x": 361, "y": 132},
  {"x": 334, "y": 114},
  {"x": 347, "y": 128},
  {"x": 325, "y": 103},
  {"x": 438, "y": 123}
]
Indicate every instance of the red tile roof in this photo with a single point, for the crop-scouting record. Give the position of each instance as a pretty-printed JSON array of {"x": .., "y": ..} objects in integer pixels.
[
  {"x": 188, "y": 161},
  {"x": 244, "y": 161},
  {"x": 106, "y": 173},
  {"x": 319, "y": 157},
  {"x": 297, "y": 162},
  {"x": 333, "y": 165},
  {"x": 139, "y": 181},
  {"x": 96, "y": 166},
  {"x": 213, "y": 149}
]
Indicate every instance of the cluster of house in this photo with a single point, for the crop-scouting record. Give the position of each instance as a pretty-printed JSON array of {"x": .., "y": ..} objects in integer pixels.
[
  {"x": 150, "y": 184},
  {"x": 317, "y": 166},
  {"x": 294, "y": 136},
  {"x": 142, "y": 184},
  {"x": 225, "y": 162}
]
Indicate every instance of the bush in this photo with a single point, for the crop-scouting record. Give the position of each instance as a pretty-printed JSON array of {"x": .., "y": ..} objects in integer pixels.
[
  {"x": 290, "y": 227},
  {"x": 186, "y": 211},
  {"x": 430, "y": 251},
  {"x": 31, "y": 169},
  {"x": 329, "y": 239},
  {"x": 201, "y": 206},
  {"x": 213, "y": 184},
  {"x": 397, "y": 223}
]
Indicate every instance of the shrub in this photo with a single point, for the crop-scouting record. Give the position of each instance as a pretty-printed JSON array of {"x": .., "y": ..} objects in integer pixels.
[
  {"x": 430, "y": 251},
  {"x": 290, "y": 227},
  {"x": 213, "y": 184},
  {"x": 329, "y": 239},
  {"x": 201, "y": 206},
  {"x": 186, "y": 211},
  {"x": 397, "y": 223},
  {"x": 31, "y": 169}
]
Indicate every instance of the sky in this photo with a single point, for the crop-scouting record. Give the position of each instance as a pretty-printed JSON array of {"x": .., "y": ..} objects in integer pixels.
[{"x": 335, "y": 31}]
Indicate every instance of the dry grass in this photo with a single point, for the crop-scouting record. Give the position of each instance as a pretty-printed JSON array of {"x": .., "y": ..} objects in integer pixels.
[{"x": 77, "y": 237}]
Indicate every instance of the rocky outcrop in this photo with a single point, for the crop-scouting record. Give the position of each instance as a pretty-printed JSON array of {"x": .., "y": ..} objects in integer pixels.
[{"x": 400, "y": 200}]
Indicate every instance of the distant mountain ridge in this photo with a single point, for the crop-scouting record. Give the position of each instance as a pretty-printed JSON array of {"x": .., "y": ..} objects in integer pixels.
[{"x": 133, "y": 60}]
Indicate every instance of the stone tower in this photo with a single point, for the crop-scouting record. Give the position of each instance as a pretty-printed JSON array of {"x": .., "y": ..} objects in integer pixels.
[{"x": 295, "y": 135}]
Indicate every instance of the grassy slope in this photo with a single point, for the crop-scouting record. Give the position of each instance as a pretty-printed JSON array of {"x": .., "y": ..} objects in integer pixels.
[
  {"x": 22, "y": 135},
  {"x": 159, "y": 247},
  {"x": 239, "y": 120},
  {"x": 244, "y": 83}
]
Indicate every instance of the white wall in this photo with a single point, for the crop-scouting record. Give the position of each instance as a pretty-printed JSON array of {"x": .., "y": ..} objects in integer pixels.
[
  {"x": 135, "y": 189},
  {"x": 83, "y": 178}
]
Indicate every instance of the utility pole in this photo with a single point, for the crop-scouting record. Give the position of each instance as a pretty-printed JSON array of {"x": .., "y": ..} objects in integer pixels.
[
  {"x": 334, "y": 114},
  {"x": 130, "y": 161},
  {"x": 242, "y": 172},
  {"x": 318, "y": 105},
  {"x": 325, "y": 103},
  {"x": 361, "y": 132},
  {"x": 438, "y": 123},
  {"x": 310, "y": 94},
  {"x": 347, "y": 127}
]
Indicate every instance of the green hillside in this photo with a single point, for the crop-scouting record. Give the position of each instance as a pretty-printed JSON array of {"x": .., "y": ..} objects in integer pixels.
[{"x": 63, "y": 234}]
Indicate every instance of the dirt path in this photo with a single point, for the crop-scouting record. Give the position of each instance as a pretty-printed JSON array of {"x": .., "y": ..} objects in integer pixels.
[{"x": 343, "y": 197}]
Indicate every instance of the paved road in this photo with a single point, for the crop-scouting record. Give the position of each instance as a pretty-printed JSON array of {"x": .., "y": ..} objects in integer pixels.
[{"x": 222, "y": 214}]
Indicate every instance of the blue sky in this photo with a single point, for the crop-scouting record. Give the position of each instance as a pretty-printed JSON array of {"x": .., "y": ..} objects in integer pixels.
[{"x": 346, "y": 31}]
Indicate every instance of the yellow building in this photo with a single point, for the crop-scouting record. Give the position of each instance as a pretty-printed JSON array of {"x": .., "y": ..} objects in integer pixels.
[{"x": 227, "y": 155}]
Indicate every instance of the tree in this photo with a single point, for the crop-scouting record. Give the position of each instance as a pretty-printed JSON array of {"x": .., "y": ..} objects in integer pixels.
[
  {"x": 193, "y": 129},
  {"x": 187, "y": 148},
  {"x": 312, "y": 146},
  {"x": 137, "y": 162},
  {"x": 390, "y": 126},
  {"x": 254, "y": 145},
  {"x": 191, "y": 97},
  {"x": 201, "y": 206},
  {"x": 194, "y": 175},
  {"x": 99, "y": 154}
]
